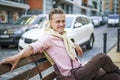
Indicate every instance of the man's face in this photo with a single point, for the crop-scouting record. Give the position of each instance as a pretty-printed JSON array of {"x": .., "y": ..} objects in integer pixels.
[{"x": 58, "y": 23}]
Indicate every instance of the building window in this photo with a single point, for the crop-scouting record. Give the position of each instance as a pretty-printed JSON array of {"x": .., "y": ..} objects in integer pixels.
[
  {"x": 67, "y": 8},
  {"x": 15, "y": 16},
  {"x": 3, "y": 17}
]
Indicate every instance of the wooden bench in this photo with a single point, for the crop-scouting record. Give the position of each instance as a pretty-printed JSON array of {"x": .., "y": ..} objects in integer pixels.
[{"x": 41, "y": 62}]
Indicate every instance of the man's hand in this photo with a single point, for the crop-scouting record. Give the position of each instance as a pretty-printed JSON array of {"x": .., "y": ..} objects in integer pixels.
[
  {"x": 78, "y": 50},
  {"x": 12, "y": 60}
]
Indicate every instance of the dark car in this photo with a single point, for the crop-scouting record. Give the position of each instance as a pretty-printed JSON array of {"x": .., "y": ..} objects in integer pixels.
[{"x": 10, "y": 34}]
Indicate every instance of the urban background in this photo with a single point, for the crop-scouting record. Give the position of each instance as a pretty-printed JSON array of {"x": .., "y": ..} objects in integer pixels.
[
  {"x": 19, "y": 11},
  {"x": 10, "y": 10}
]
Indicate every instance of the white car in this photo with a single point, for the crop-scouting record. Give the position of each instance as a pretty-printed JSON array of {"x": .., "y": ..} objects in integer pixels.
[
  {"x": 79, "y": 29},
  {"x": 113, "y": 20},
  {"x": 95, "y": 21}
]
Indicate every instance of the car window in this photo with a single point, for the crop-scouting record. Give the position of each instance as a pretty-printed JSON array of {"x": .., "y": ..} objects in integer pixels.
[
  {"x": 69, "y": 21},
  {"x": 44, "y": 23},
  {"x": 31, "y": 20},
  {"x": 25, "y": 20},
  {"x": 85, "y": 21},
  {"x": 41, "y": 19},
  {"x": 88, "y": 21},
  {"x": 113, "y": 16},
  {"x": 78, "y": 20}
]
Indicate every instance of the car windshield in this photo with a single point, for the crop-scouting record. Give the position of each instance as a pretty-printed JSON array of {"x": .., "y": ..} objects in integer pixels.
[
  {"x": 25, "y": 20},
  {"x": 113, "y": 17},
  {"x": 43, "y": 24},
  {"x": 69, "y": 21}
]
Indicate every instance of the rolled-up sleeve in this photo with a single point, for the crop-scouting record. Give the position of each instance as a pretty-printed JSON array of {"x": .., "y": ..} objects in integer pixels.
[{"x": 41, "y": 45}]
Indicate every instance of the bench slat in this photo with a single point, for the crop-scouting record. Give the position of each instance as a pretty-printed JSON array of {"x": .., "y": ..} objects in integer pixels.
[
  {"x": 51, "y": 76},
  {"x": 41, "y": 64},
  {"x": 6, "y": 68},
  {"x": 29, "y": 73}
]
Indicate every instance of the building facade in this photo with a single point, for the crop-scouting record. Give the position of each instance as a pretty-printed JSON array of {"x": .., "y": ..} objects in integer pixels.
[
  {"x": 111, "y": 7},
  {"x": 10, "y": 10}
]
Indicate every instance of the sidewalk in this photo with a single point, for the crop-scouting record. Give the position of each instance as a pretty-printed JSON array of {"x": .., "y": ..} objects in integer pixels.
[{"x": 115, "y": 56}]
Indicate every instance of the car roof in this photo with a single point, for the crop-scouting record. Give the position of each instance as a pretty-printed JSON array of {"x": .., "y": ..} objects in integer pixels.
[
  {"x": 46, "y": 15},
  {"x": 75, "y": 15},
  {"x": 40, "y": 15}
]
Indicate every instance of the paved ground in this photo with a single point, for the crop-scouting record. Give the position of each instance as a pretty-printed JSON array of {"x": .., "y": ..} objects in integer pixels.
[{"x": 115, "y": 56}]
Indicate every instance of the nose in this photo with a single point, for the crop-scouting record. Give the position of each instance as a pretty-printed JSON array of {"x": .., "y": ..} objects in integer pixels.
[{"x": 62, "y": 24}]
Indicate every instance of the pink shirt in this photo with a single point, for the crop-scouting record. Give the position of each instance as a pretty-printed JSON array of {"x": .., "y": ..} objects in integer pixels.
[{"x": 56, "y": 50}]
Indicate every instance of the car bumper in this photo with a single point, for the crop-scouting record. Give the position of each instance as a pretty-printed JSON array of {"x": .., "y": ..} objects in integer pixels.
[{"x": 115, "y": 24}]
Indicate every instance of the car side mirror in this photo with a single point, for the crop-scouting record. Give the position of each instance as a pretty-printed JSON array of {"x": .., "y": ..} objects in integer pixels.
[{"x": 77, "y": 25}]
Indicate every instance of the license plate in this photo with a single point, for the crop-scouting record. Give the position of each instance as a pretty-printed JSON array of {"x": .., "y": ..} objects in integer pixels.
[{"x": 4, "y": 36}]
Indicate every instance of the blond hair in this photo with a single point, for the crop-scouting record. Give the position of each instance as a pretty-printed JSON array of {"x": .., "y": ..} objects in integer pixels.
[{"x": 55, "y": 11}]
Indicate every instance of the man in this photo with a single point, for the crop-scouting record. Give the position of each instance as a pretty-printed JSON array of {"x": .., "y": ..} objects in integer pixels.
[{"x": 61, "y": 50}]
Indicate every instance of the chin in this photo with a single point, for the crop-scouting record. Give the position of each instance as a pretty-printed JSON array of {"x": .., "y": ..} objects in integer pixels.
[{"x": 61, "y": 32}]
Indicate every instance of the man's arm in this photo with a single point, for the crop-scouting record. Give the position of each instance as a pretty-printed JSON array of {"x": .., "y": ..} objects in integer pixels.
[
  {"x": 13, "y": 60},
  {"x": 78, "y": 50}
]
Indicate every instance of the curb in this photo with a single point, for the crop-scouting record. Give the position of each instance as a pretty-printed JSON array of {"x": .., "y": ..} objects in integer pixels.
[{"x": 114, "y": 55}]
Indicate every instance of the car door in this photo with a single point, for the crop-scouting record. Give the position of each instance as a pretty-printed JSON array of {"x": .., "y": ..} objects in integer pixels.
[
  {"x": 86, "y": 29},
  {"x": 78, "y": 30},
  {"x": 83, "y": 29}
]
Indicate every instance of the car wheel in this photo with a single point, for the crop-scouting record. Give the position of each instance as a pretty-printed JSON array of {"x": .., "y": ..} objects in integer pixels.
[{"x": 90, "y": 43}]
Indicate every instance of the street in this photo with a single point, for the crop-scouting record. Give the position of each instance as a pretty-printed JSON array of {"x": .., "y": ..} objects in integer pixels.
[
  {"x": 18, "y": 17},
  {"x": 98, "y": 45}
]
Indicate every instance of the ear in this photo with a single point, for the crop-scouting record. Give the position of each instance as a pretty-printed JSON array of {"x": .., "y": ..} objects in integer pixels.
[{"x": 50, "y": 21}]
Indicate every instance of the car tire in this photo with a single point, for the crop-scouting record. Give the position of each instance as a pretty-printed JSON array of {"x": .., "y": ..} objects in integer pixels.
[{"x": 90, "y": 43}]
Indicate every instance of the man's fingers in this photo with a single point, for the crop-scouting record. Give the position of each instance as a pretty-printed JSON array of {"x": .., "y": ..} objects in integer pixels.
[
  {"x": 3, "y": 61},
  {"x": 13, "y": 67}
]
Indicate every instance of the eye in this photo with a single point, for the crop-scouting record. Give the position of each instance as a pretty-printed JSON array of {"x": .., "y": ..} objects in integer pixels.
[
  {"x": 63, "y": 21},
  {"x": 58, "y": 21}
]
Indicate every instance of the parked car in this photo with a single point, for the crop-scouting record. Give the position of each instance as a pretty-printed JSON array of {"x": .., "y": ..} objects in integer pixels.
[
  {"x": 113, "y": 20},
  {"x": 10, "y": 35},
  {"x": 95, "y": 21},
  {"x": 79, "y": 29},
  {"x": 32, "y": 35}
]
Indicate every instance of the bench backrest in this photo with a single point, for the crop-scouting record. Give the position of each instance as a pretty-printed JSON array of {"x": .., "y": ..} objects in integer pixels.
[{"x": 41, "y": 65}]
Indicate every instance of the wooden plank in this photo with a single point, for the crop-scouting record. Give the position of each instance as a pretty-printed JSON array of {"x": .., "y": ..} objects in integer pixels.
[
  {"x": 51, "y": 76},
  {"x": 6, "y": 68},
  {"x": 31, "y": 72},
  {"x": 42, "y": 65}
]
